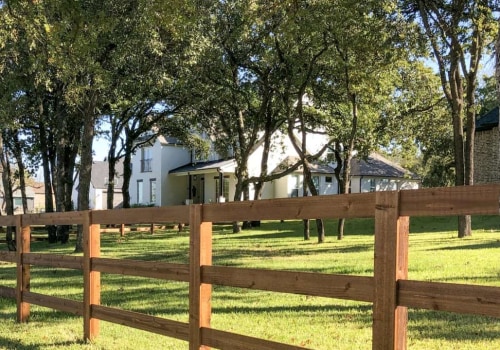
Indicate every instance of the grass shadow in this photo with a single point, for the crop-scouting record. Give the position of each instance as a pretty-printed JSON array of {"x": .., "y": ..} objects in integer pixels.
[
  {"x": 436, "y": 325},
  {"x": 489, "y": 245}
]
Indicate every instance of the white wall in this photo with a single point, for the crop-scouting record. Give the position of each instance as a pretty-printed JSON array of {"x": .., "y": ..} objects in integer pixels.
[
  {"x": 170, "y": 190},
  {"x": 383, "y": 184}
]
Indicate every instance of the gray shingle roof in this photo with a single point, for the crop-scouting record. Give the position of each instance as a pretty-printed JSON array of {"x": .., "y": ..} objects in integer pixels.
[
  {"x": 377, "y": 165},
  {"x": 487, "y": 121},
  {"x": 100, "y": 174},
  {"x": 373, "y": 165}
]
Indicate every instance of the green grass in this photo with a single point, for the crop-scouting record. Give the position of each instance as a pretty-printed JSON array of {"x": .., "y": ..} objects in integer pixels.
[{"x": 319, "y": 323}]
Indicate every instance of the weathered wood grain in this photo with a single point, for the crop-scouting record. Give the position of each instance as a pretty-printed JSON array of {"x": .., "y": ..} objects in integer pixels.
[
  {"x": 23, "y": 241},
  {"x": 153, "y": 324},
  {"x": 226, "y": 340},
  {"x": 54, "y": 260},
  {"x": 390, "y": 264},
  {"x": 444, "y": 201},
  {"x": 91, "y": 278},
  {"x": 200, "y": 254},
  {"x": 151, "y": 269},
  {"x": 65, "y": 218},
  {"x": 9, "y": 220},
  {"x": 168, "y": 214},
  {"x": 56, "y": 303},
  {"x": 452, "y": 297},
  {"x": 8, "y": 256},
  {"x": 313, "y": 207},
  {"x": 358, "y": 288}
]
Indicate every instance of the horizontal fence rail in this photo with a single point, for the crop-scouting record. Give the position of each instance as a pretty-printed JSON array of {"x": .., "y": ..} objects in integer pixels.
[{"x": 389, "y": 289}]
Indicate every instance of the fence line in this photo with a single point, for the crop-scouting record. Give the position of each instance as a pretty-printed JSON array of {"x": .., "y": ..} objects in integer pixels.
[{"x": 388, "y": 289}]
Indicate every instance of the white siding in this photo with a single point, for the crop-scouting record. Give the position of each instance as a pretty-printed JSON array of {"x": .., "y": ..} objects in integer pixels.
[{"x": 170, "y": 190}]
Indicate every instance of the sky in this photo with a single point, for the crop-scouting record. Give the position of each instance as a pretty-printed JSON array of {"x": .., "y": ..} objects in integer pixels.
[{"x": 100, "y": 148}]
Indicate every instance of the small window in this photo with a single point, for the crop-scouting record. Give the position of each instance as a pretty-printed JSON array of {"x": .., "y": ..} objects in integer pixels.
[
  {"x": 328, "y": 179},
  {"x": 373, "y": 186},
  {"x": 152, "y": 190},
  {"x": 140, "y": 191},
  {"x": 18, "y": 202}
]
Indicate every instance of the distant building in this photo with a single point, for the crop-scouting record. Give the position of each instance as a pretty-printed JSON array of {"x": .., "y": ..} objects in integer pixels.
[
  {"x": 166, "y": 173},
  {"x": 99, "y": 186},
  {"x": 487, "y": 148}
]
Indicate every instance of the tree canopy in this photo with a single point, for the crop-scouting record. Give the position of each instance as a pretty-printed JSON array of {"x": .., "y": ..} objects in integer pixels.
[{"x": 240, "y": 73}]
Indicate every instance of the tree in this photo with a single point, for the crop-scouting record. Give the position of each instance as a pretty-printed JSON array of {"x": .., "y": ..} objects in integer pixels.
[{"x": 457, "y": 32}]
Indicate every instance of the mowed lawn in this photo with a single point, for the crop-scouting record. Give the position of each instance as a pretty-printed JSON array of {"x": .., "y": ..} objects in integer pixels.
[{"x": 312, "y": 322}]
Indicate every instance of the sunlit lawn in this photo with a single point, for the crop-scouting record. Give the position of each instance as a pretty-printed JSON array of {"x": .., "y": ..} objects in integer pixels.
[{"x": 318, "y": 323}]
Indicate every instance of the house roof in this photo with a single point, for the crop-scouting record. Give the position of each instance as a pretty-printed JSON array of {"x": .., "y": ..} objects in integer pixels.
[
  {"x": 373, "y": 165},
  {"x": 377, "y": 165},
  {"x": 488, "y": 121},
  {"x": 223, "y": 165},
  {"x": 164, "y": 140},
  {"x": 316, "y": 168},
  {"x": 99, "y": 174}
]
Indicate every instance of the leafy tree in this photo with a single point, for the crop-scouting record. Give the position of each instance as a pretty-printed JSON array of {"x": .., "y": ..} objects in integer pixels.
[{"x": 457, "y": 32}]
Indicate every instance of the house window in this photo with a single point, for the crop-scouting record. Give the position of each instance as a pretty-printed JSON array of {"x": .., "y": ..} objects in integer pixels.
[
  {"x": 146, "y": 159},
  {"x": 328, "y": 179},
  {"x": 225, "y": 188},
  {"x": 152, "y": 190},
  {"x": 373, "y": 185},
  {"x": 18, "y": 202},
  {"x": 296, "y": 184},
  {"x": 315, "y": 180},
  {"x": 140, "y": 191}
]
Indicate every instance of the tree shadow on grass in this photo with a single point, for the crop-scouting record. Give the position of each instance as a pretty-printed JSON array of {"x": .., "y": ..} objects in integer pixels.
[
  {"x": 488, "y": 245},
  {"x": 6, "y": 343},
  {"x": 451, "y": 326},
  {"x": 11, "y": 344},
  {"x": 450, "y": 223}
]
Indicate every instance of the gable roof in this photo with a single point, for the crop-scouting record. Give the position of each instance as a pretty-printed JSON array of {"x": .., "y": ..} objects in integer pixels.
[
  {"x": 316, "y": 168},
  {"x": 224, "y": 165},
  {"x": 377, "y": 165},
  {"x": 99, "y": 174},
  {"x": 374, "y": 165},
  {"x": 488, "y": 121}
]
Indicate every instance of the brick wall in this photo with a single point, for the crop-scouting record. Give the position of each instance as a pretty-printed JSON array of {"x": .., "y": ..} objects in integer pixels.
[{"x": 487, "y": 156}]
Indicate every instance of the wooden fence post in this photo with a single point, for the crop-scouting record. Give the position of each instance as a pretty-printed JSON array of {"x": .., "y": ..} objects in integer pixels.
[
  {"x": 23, "y": 243},
  {"x": 91, "y": 278},
  {"x": 200, "y": 250},
  {"x": 391, "y": 263}
]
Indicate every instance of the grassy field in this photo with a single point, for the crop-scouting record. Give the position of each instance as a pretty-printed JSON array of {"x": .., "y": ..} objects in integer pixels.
[{"x": 318, "y": 323}]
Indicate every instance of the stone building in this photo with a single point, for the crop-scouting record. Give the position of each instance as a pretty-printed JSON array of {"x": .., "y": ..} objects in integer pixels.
[{"x": 487, "y": 148}]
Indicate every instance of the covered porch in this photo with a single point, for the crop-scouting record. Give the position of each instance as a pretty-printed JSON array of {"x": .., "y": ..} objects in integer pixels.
[{"x": 208, "y": 182}]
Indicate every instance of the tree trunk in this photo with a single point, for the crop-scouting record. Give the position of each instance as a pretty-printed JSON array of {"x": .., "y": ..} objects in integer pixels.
[
  {"x": 18, "y": 154},
  {"x": 497, "y": 61},
  {"x": 127, "y": 174},
  {"x": 8, "y": 195},
  {"x": 47, "y": 151},
  {"x": 241, "y": 188},
  {"x": 85, "y": 172},
  {"x": 307, "y": 230},
  {"x": 112, "y": 160}
]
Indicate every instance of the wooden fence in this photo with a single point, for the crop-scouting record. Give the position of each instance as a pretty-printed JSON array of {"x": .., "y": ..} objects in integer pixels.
[{"x": 389, "y": 289}]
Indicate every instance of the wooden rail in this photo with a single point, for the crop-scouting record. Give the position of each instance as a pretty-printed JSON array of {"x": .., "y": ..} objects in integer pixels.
[{"x": 388, "y": 289}]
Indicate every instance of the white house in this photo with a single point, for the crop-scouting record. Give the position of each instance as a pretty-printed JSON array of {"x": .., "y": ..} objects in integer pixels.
[
  {"x": 166, "y": 173},
  {"x": 99, "y": 186},
  {"x": 150, "y": 183}
]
